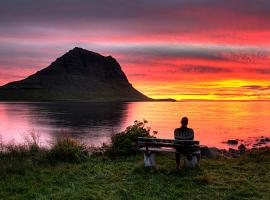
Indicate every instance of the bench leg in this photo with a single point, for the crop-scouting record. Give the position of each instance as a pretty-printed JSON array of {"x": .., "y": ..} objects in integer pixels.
[
  {"x": 149, "y": 159},
  {"x": 177, "y": 160},
  {"x": 198, "y": 157},
  {"x": 191, "y": 161}
]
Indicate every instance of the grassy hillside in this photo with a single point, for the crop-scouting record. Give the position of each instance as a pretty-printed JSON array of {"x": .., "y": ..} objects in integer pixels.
[{"x": 100, "y": 177}]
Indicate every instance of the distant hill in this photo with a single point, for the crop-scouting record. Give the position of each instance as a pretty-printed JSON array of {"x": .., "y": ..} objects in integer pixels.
[{"x": 77, "y": 75}]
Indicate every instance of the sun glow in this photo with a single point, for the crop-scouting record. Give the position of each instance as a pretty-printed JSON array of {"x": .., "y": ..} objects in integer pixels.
[
  {"x": 234, "y": 83},
  {"x": 232, "y": 89}
]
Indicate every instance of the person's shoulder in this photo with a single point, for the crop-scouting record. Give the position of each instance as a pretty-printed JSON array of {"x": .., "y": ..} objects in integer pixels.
[
  {"x": 177, "y": 129},
  {"x": 190, "y": 129}
]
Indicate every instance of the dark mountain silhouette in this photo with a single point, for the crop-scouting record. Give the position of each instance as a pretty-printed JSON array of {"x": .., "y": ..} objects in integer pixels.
[{"x": 77, "y": 75}]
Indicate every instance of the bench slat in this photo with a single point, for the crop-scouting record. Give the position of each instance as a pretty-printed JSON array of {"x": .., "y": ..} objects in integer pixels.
[
  {"x": 151, "y": 144},
  {"x": 143, "y": 140},
  {"x": 165, "y": 150},
  {"x": 158, "y": 150}
]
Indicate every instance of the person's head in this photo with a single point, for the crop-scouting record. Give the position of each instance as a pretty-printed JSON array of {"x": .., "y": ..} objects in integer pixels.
[{"x": 184, "y": 121}]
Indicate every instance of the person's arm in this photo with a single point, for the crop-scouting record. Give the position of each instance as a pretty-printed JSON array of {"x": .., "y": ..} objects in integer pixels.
[
  {"x": 192, "y": 134},
  {"x": 175, "y": 133}
]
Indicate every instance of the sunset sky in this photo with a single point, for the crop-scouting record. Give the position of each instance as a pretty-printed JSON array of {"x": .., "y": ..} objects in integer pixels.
[{"x": 193, "y": 49}]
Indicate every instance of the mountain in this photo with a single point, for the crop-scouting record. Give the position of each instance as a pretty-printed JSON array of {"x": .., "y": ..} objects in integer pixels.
[{"x": 77, "y": 75}]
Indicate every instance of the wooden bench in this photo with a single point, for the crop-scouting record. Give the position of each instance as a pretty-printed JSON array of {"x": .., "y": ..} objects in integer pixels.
[{"x": 151, "y": 146}]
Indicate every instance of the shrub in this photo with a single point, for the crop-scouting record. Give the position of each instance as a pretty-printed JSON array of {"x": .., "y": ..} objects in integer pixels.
[
  {"x": 67, "y": 149},
  {"x": 126, "y": 142}
]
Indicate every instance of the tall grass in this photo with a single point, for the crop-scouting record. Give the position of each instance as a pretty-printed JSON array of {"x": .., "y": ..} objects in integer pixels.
[
  {"x": 13, "y": 150},
  {"x": 32, "y": 141},
  {"x": 67, "y": 149},
  {"x": 64, "y": 149}
]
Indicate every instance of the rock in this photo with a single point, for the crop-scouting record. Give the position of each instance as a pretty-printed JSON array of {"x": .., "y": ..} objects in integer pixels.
[
  {"x": 234, "y": 153},
  {"x": 209, "y": 152},
  {"x": 77, "y": 75},
  {"x": 214, "y": 152},
  {"x": 242, "y": 148},
  {"x": 264, "y": 140},
  {"x": 233, "y": 142},
  {"x": 226, "y": 153},
  {"x": 259, "y": 144},
  {"x": 204, "y": 151}
]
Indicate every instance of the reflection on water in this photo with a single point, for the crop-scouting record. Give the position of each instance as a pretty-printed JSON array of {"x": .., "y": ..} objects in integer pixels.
[{"x": 93, "y": 123}]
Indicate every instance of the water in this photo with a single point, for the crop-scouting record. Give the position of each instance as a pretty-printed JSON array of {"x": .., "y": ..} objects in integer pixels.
[{"x": 93, "y": 123}]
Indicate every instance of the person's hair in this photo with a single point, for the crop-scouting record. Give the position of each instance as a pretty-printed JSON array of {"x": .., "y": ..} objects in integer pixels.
[{"x": 184, "y": 121}]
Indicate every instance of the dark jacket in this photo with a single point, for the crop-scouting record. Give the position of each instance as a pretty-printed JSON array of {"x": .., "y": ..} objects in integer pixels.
[{"x": 184, "y": 133}]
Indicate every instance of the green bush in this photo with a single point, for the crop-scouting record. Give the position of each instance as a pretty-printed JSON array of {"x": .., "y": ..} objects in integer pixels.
[
  {"x": 67, "y": 149},
  {"x": 126, "y": 142}
]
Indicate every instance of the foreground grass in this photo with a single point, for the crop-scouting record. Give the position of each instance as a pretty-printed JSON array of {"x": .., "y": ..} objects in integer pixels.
[{"x": 103, "y": 178}]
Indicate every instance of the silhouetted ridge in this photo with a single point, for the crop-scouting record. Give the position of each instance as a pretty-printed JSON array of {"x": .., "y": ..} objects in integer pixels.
[{"x": 77, "y": 75}]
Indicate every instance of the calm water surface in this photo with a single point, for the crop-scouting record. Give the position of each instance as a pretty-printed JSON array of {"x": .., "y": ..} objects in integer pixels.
[{"x": 93, "y": 123}]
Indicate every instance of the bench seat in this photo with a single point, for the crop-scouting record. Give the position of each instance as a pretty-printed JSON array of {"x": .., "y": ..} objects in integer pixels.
[{"x": 150, "y": 146}]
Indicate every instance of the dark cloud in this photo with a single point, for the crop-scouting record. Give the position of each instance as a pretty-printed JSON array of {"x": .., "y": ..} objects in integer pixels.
[
  {"x": 205, "y": 52},
  {"x": 108, "y": 17},
  {"x": 168, "y": 51},
  {"x": 225, "y": 94},
  {"x": 203, "y": 69},
  {"x": 85, "y": 10},
  {"x": 261, "y": 70},
  {"x": 252, "y": 87},
  {"x": 256, "y": 87},
  {"x": 144, "y": 54}
]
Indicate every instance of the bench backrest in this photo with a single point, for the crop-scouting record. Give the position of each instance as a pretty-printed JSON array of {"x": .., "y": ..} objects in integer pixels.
[{"x": 157, "y": 142}]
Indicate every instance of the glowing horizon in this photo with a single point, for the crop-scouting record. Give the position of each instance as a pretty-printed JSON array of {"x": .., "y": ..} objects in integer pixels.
[{"x": 208, "y": 50}]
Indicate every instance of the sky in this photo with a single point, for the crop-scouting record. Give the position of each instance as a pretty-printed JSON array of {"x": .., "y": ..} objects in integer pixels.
[{"x": 193, "y": 49}]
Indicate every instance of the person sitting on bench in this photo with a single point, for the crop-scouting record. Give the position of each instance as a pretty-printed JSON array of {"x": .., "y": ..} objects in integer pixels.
[{"x": 182, "y": 133}]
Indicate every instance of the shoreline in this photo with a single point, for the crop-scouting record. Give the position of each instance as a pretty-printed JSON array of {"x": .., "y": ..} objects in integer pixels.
[
  {"x": 33, "y": 176},
  {"x": 254, "y": 143}
]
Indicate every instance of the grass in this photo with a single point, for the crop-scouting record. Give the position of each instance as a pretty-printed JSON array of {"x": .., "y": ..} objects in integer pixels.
[{"x": 100, "y": 177}]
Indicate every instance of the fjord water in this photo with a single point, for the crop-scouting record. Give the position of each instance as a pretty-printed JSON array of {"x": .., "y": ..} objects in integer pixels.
[{"x": 93, "y": 123}]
